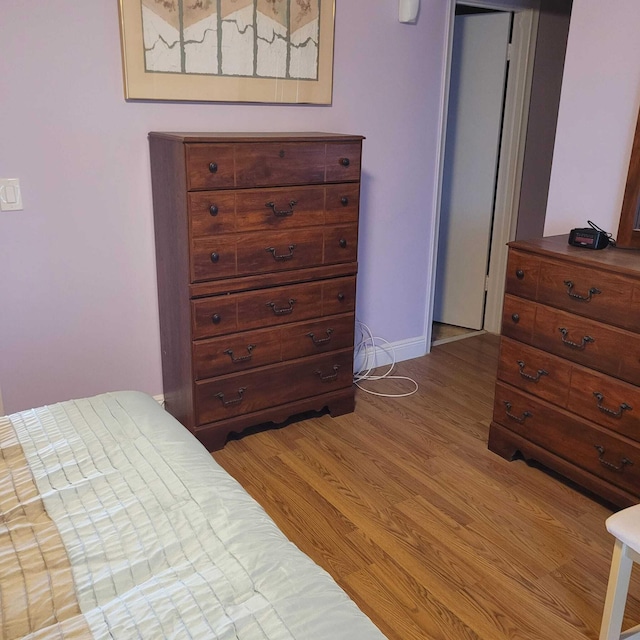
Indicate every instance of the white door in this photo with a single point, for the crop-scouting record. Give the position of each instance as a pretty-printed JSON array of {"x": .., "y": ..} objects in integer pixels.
[{"x": 474, "y": 122}]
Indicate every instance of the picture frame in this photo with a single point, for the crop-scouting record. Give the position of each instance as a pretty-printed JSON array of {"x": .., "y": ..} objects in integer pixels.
[{"x": 267, "y": 51}]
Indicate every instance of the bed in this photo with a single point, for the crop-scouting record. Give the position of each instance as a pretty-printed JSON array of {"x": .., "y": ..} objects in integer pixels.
[{"x": 115, "y": 522}]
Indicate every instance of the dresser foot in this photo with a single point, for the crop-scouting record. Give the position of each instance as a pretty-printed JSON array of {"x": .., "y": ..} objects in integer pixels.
[
  {"x": 342, "y": 403},
  {"x": 214, "y": 435},
  {"x": 501, "y": 442},
  {"x": 510, "y": 445}
]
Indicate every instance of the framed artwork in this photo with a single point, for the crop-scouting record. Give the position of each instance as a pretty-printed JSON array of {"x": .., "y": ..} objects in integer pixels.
[{"x": 277, "y": 51}]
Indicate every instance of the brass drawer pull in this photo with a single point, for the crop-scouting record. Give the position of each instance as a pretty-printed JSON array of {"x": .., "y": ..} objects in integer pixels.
[
  {"x": 329, "y": 377},
  {"x": 282, "y": 257},
  {"x": 320, "y": 341},
  {"x": 282, "y": 213},
  {"x": 528, "y": 376},
  {"x": 237, "y": 400},
  {"x": 612, "y": 412},
  {"x": 575, "y": 345},
  {"x": 576, "y": 296},
  {"x": 520, "y": 419},
  {"x": 235, "y": 360},
  {"x": 283, "y": 310},
  {"x": 610, "y": 465}
]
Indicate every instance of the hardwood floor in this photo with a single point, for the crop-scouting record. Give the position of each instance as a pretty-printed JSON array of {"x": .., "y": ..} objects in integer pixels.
[{"x": 432, "y": 535}]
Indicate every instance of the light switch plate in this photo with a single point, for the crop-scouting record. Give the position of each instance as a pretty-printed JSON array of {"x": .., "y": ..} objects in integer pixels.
[{"x": 10, "y": 194}]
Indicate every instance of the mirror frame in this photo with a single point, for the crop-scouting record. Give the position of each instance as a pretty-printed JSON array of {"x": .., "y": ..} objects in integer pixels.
[{"x": 628, "y": 230}]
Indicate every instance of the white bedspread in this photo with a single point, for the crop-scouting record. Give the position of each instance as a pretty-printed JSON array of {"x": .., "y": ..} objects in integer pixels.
[{"x": 162, "y": 542}]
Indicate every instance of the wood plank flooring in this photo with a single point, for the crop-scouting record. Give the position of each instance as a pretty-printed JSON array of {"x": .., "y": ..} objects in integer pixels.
[{"x": 433, "y": 536}]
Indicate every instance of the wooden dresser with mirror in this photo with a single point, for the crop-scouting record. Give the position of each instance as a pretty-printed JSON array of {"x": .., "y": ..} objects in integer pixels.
[
  {"x": 567, "y": 393},
  {"x": 568, "y": 383}
]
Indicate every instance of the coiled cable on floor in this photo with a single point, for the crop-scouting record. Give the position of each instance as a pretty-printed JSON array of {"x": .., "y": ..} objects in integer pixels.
[{"x": 366, "y": 347}]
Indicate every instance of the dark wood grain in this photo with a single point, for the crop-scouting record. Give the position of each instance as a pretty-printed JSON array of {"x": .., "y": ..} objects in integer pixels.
[
  {"x": 172, "y": 267},
  {"x": 255, "y": 233},
  {"x": 606, "y": 348},
  {"x": 534, "y": 371},
  {"x": 572, "y": 314}
]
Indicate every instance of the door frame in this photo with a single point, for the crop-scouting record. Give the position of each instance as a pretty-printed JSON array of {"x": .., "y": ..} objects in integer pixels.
[{"x": 514, "y": 129}]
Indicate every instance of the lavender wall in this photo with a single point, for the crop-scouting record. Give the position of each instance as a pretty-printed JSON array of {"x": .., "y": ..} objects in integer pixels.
[
  {"x": 597, "y": 116},
  {"x": 78, "y": 307}
]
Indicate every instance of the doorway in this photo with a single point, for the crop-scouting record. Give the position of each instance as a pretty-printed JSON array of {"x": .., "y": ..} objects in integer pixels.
[
  {"x": 531, "y": 92},
  {"x": 478, "y": 77}
]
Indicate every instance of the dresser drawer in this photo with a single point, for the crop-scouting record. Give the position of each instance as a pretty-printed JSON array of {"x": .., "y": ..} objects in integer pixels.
[
  {"x": 214, "y": 212},
  {"x": 221, "y": 315},
  {"x": 597, "y": 450},
  {"x": 343, "y": 161},
  {"x": 523, "y": 270},
  {"x": 309, "y": 338},
  {"x": 214, "y": 258},
  {"x": 280, "y": 305},
  {"x": 279, "y": 250},
  {"x": 285, "y": 208},
  {"x": 249, "y": 253},
  {"x": 264, "y": 164},
  {"x": 252, "y": 349},
  {"x": 342, "y": 203},
  {"x": 518, "y": 318},
  {"x": 338, "y": 295},
  {"x": 609, "y": 402},
  {"x": 588, "y": 292},
  {"x": 236, "y": 394},
  {"x": 211, "y": 213},
  {"x": 593, "y": 344},
  {"x": 584, "y": 290},
  {"x": 341, "y": 244},
  {"x": 236, "y": 352},
  {"x": 280, "y": 163},
  {"x": 535, "y": 371},
  {"x": 210, "y": 166}
]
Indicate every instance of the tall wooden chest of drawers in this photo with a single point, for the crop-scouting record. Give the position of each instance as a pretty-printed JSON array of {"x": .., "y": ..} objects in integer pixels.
[
  {"x": 256, "y": 253},
  {"x": 567, "y": 390}
]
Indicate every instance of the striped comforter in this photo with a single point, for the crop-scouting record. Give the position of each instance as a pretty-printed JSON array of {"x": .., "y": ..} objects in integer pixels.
[{"x": 116, "y": 523}]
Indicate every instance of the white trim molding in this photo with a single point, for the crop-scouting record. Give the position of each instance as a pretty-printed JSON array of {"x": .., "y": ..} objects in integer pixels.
[{"x": 380, "y": 355}]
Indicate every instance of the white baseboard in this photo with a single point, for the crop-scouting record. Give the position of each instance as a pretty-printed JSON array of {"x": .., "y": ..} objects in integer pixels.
[
  {"x": 159, "y": 399},
  {"x": 385, "y": 354}
]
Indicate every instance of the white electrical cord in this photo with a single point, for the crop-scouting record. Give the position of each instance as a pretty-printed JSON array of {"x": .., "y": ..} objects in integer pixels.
[{"x": 369, "y": 344}]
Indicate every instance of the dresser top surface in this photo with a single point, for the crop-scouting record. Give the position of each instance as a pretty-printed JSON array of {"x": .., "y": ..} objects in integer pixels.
[
  {"x": 610, "y": 259},
  {"x": 229, "y": 136}
]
